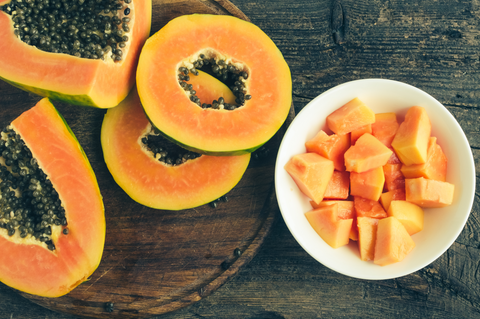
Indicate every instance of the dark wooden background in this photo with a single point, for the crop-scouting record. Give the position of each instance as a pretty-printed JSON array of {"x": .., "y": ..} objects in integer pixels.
[{"x": 433, "y": 45}]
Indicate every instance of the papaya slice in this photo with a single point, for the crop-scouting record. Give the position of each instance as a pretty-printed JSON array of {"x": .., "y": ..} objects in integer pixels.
[
  {"x": 157, "y": 184},
  {"x": 235, "y": 51},
  {"x": 51, "y": 257},
  {"x": 101, "y": 83}
]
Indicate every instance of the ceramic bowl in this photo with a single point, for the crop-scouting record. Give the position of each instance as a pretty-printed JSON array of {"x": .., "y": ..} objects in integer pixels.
[{"x": 441, "y": 225}]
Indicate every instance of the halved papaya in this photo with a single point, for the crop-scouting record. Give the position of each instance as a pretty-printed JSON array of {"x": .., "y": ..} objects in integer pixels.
[
  {"x": 150, "y": 179},
  {"x": 235, "y": 51},
  {"x": 101, "y": 83},
  {"x": 52, "y": 238}
]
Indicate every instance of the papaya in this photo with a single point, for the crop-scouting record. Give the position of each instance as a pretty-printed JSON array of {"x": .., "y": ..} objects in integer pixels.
[
  {"x": 349, "y": 117},
  {"x": 312, "y": 174},
  {"x": 367, "y": 153},
  {"x": 152, "y": 179},
  {"x": 332, "y": 147},
  {"x": 236, "y": 52},
  {"x": 411, "y": 140},
  {"x": 52, "y": 236},
  {"x": 87, "y": 59}
]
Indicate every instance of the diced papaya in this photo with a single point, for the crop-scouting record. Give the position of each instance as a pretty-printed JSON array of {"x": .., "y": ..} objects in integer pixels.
[
  {"x": 409, "y": 214},
  {"x": 367, "y": 235},
  {"x": 355, "y": 134},
  {"x": 339, "y": 186},
  {"x": 434, "y": 168},
  {"x": 385, "y": 127},
  {"x": 411, "y": 141},
  {"x": 345, "y": 211},
  {"x": 393, "y": 176},
  {"x": 367, "y": 153},
  {"x": 350, "y": 116},
  {"x": 396, "y": 194},
  {"x": 311, "y": 172},
  {"x": 332, "y": 147},
  {"x": 368, "y": 184},
  {"x": 368, "y": 208},
  {"x": 428, "y": 192},
  {"x": 394, "y": 158},
  {"x": 333, "y": 230},
  {"x": 345, "y": 207},
  {"x": 393, "y": 242}
]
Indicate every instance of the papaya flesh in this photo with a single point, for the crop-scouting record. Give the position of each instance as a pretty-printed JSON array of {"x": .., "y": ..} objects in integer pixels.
[
  {"x": 156, "y": 184},
  {"x": 224, "y": 43},
  {"x": 91, "y": 82},
  {"x": 26, "y": 263}
]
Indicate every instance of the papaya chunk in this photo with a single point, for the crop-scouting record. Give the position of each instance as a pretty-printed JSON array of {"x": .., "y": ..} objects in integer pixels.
[
  {"x": 368, "y": 208},
  {"x": 385, "y": 127},
  {"x": 339, "y": 186},
  {"x": 367, "y": 235},
  {"x": 428, "y": 192},
  {"x": 366, "y": 154},
  {"x": 434, "y": 168},
  {"x": 393, "y": 242},
  {"x": 311, "y": 172},
  {"x": 387, "y": 197},
  {"x": 411, "y": 141},
  {"x": 394, "y": 178},
  {"x": 350, "y": 116},
  {"x": 368, "y": 184},
  {"x": 409, "y": 214},
  {"x": 355, "y": 134},
  {"x": 332, "y": 147},
  {"x": 346, "y": 210},
  {"x": 333, "y": 230}
]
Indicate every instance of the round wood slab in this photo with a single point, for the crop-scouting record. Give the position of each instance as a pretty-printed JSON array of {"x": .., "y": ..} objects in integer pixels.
[{"x": 158, "y": 261}]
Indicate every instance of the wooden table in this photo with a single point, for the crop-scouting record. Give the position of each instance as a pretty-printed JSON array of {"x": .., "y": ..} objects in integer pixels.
[{"x": 433, "y": 45}]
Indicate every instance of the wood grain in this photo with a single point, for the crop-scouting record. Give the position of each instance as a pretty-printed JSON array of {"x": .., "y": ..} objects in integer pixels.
[{"x": 430, "y": 44}]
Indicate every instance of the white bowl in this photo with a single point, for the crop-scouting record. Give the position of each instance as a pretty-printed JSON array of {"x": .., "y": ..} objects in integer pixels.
[{"x": 441, "y": 226}]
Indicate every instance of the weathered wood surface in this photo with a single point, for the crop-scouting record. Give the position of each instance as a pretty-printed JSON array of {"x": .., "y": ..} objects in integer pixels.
[{"x": 430, "y": 44}]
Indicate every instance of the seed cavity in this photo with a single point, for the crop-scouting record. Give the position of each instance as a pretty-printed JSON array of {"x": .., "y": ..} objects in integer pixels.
[
  {"x": 89, "y": 29},
  {"x": 165, "y": 151},
  {"x": 234, "y": 75},
  {"x": 29, "y": 205}
]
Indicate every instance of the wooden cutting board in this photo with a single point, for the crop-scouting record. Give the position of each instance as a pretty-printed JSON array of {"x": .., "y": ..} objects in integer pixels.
[{"x": 158, "y": 261}]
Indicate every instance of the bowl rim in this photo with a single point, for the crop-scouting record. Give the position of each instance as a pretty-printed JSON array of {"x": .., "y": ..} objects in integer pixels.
[{"x": 279, "y": 167}]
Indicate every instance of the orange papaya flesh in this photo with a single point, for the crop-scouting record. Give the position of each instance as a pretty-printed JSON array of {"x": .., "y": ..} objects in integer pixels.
[
  {"x": 355, "y": 134},
  {"x": 209, "y": 88},
  {"x": 220, "y": 38},
  {"x": 345, "y": 207},
  {"x": 368, "y": 208},
  {"x": 97, "y": 83},
  {"x": 394, "y": 178},
  {"x": 334, "y": 231},
  {"x": 312, "y": 173},
  {"x": 411, "y": 140},
  {"x": 428, "y": 192},
  {"x": 367, "y": 153},
  {"x": 27, "y": 264},
  {"x": 350, "y": 116},
  {"x": 367, "y": 235},
  {"x": 393, "y": 243},
  {"x": 409, "y": 214},
  {"x": 385, "y": 127},
  {"x": 434, "y": 168},
  {"x": 339, "y": 186},
  {"x": 387, "y": 197},
  {"x": 368, "y": 184},
  {"x": 156, "y": 184},
  {"x": 332, "y": 147}
]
